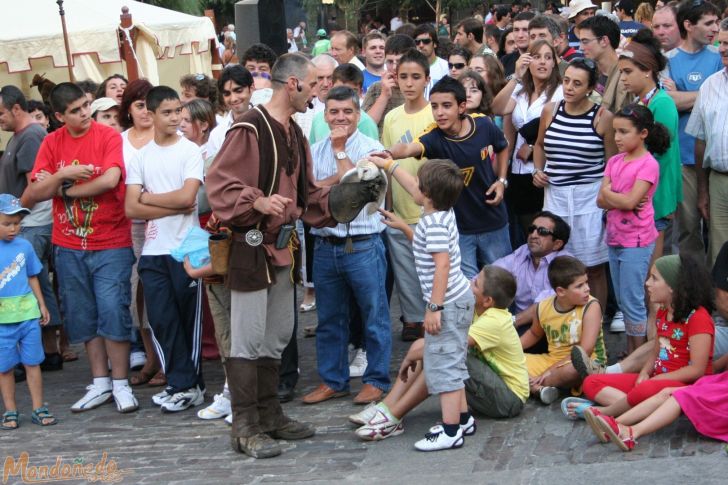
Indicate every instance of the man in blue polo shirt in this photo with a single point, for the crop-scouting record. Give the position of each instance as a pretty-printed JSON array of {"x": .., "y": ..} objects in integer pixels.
[{"x": 689, "y": 65}]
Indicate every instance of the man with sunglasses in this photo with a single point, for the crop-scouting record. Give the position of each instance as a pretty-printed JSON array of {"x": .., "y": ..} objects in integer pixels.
[
  {"x": 426, "y": 41},
  {"x": 529, "y": 264}
]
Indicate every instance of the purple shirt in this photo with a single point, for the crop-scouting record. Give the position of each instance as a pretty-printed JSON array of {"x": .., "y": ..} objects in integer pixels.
[{"x": 532, "y": 284}]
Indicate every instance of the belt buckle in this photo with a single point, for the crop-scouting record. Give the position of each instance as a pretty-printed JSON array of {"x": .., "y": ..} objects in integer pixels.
[{"x": 254, "y": 237}]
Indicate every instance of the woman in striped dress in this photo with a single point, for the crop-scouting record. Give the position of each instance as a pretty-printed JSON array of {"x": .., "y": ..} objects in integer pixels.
[{"x": 575, "y": 139}]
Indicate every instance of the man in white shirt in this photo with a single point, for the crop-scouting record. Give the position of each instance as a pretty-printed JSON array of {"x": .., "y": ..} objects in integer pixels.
[
  {"x": 426, "y": 41},
  {"x": 344, "y": 46},
  {"x": 236, "y": 86}
]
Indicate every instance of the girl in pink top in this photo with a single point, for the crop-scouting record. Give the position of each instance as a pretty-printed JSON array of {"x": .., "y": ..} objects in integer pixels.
[{"x": 630, "y": 180}]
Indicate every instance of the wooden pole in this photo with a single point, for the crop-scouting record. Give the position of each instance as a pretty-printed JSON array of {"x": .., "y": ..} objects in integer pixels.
[
  {"x": 132, "y": 69},
  {"x": 214, "y": 52},
  {"x": 69, "y": 59}
]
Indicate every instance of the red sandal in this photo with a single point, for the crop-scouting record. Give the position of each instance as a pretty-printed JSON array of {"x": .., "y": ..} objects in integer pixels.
[
  {"x": 591, "y": 416},
  {"x": 611, "y": 428}
]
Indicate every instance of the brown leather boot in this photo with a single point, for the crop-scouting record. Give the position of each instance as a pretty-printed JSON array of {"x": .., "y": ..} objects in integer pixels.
[
  {"x": 272, "y": 420},
  {"x": 246, "y": 436}
]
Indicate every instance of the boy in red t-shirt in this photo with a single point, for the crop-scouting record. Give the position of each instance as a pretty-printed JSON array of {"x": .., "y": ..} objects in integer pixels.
[{"x": 81, "y": 167}]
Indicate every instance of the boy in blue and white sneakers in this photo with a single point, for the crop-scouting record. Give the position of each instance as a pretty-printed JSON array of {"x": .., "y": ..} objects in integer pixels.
[
  {"x": 446, "y": 291},
  {"x": 21, "y": 309}
]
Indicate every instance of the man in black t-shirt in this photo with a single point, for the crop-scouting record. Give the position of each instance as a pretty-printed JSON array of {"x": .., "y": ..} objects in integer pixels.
[{"x": 520, "y": 34}]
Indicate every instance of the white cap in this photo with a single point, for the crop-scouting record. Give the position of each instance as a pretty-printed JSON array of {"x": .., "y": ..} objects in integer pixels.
[
  {"x": 579, "y": 6},
  {"x": 103, "y": 104}
]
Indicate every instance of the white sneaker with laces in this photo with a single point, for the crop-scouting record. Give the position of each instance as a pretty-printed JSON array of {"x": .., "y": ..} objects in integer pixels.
[
  {"x": 137, "y": 360},
  {"x": 361, "y": 418},
  {"x": 617, "y": 324},
  {"x": 381, "y": 426},
  {"x": 95, "y": 396},
  {"x": 437, "y": 440},
  {"x": 219, "y": 408},
  {"x": 358, "y": 365},
  {"x": 183, "y": 400},
  {"x": 125, "y": 400},
  {"x": 161, "y": 397}
]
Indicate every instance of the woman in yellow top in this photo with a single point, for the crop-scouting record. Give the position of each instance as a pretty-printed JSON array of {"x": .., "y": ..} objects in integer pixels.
[{"x": 571, "y": 317}]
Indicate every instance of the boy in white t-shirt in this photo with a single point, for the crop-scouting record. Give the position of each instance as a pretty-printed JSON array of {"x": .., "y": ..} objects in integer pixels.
[
  {"x": 162, "y": 182},
  {"x": 446, "y": 291}
]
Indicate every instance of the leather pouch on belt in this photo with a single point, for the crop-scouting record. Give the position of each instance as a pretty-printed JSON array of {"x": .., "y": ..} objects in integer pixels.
[{"x": 250, "y": 269}]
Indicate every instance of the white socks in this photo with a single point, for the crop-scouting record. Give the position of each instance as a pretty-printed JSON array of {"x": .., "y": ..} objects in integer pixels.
[
  {"x": 102, "y": 382},
  {"x": 614, "y": 368},
  {"x": 119, "y": 383}
]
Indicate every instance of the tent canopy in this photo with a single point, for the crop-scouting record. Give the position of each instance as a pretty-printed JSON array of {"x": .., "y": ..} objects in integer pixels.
[{"x": 32, "y": 40}]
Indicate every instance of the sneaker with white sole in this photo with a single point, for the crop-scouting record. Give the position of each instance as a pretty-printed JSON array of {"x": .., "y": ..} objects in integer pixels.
[
  {"x": 361, "y": 418},
  {"x": 381, "y": 426},
  {"x": 95, "y": 396},
  {"x": 584, "y": 364},
  {"x": 137, "y": 360},
  {"x": 229, "y": 419},
  {"x": 437, "y": 440},
  {"x": 470, "y": 427},
  {"x": 162, "y": 397},
  {"x": 617, "y": 323},
  {"x": 548, "y": 394},
  {"x": 183, "y": 400},
  {"x": 125, "y": 400},
  {"x": 219, "y": 408},
  {"x": 358, "y": 365}
]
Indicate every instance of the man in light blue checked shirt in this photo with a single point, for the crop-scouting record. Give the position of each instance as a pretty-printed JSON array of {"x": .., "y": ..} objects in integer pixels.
[{"x": 348, "y": 277}]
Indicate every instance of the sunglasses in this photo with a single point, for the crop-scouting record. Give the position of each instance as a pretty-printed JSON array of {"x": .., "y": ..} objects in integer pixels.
[
  {"x": 426, "y": 41},
  {"x": 583, "y": 61},
  {"x": 457, "y": 65},
  {"x": 540, "y": 230}
]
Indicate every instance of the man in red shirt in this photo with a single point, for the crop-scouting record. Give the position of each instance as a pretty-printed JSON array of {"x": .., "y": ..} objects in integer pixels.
[{"x": 81, "y": 167}]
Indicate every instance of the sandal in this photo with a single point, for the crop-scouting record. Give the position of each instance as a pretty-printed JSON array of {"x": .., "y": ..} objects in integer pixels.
[
  {"x": 10, "y": 417},
  {"x": 309, "y": 331},
  {"x": 592, "y": 415},
  {"x": 159, "y": 379},
  {"x": 610, "y": 427},
  {"x": 41, "y": 415},
  {"x": 577, "y": 411},
  {"x": 69, "y": 355},
  {"x": 142, "y": 377},
  {"x": 307, "y": 307}
]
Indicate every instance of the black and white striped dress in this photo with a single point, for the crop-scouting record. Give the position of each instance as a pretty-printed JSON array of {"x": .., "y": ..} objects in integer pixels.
[{"x": 575, "y": 164}]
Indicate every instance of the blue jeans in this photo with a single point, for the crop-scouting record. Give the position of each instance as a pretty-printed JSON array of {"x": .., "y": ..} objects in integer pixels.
[
  {"x": 628, "y": 268},
  {"x": 342, "y": 279},
  {"x": 95, "y": 288},
  {"x": 477, "y": 250},
  {"x": 40, "y": 238}
]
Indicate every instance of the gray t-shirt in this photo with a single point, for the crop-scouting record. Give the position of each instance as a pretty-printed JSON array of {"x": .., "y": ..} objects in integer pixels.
[{"x": 16, "y": 162}]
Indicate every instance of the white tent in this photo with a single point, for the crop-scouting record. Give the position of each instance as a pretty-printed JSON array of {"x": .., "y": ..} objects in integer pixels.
[{"x": 168, "y": 43}]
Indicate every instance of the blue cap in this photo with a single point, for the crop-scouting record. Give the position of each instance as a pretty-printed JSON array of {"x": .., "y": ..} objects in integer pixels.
[{"x": 10, "y": 205}]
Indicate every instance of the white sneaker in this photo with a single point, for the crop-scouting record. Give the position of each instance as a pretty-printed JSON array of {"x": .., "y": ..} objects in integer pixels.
[
  {"x": 219, "y": 408},
  {"x": 617, "y": 324},
  {"x": 358, "y": 365},
  {"x": 548, "y": 394},
  {"x": 137, "y": 360},
  {"x": 183, "y": 400},
  {"x": 437, "y": 440},
  {"x": 229, "y": 419},
  {"x": 381, "y": 426},
  {"x": 470, "y": 427},
  {"x": 363, "y": 417},
  {"x": 162, "y": 397},
  {"x": 125, "y": 400},
  {"x": 95, "y": 396}
]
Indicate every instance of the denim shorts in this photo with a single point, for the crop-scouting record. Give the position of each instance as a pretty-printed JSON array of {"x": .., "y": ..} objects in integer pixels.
[
  {"x": 95, "y": 293},
  {"x": 20, "y": 343},
  {"x": 445, "y": 353},
  {"x": 662, "y": 223}
]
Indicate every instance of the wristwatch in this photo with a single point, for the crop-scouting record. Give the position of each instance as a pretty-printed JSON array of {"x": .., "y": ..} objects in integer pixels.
[
  {"x": 341, "y": 155},
  {"x": 434, "y": 307},
  {"x": 503, "y": 181}
]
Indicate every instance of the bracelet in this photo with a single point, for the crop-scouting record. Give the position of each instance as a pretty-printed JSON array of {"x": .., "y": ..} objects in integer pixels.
[
  {"x": 388, "y": 165},
  {"x": 390, "y": 154},
  {"x": 393, "y": 168}
]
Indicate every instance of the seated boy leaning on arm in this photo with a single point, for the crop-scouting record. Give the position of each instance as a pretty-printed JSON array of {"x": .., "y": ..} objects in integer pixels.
[
  {"x": 21, "y": 309},
  {"x": 446, "y": 291},
  {"x": 570, "y": 317},
  {"x": 498, "y": 385}
]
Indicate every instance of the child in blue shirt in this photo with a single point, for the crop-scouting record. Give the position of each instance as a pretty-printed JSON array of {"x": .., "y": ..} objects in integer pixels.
[{"x": 21, "y": 308}]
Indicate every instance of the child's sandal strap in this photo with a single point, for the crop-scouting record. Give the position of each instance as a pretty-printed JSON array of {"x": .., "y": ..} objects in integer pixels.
[
  {"x": 10, "y": 417},
  {"x": 40, "y": 416}
]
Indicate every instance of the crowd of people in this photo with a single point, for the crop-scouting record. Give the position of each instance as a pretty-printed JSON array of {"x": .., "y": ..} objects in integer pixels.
[{"x": 550, "y": 176}]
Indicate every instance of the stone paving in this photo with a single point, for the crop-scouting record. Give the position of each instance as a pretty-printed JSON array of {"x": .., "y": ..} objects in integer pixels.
[{"x": 148, "y": 447}]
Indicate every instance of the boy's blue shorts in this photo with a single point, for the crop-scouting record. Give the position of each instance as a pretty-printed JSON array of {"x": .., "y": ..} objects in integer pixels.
[{"x": 20, "y": 343}]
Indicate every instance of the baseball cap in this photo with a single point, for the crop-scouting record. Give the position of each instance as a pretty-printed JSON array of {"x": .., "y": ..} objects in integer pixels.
[
  {"x": 579, "y": 6},
  {"x": 10, "y": 205},
  {"x": 102, "y": 104},
  {"x": 720, "y": 269},
  {"x": 321, "y": 33}
]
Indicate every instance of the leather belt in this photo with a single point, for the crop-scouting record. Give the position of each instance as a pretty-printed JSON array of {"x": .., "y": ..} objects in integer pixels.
[{"x": 338, "y": 241}]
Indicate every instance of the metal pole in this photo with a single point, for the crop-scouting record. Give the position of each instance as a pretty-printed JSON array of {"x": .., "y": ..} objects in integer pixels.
[{"x": 69, "y": 60}]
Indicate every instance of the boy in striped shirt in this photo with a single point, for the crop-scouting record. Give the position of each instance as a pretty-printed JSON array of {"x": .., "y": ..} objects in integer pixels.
[{"x": 446, "y": 291}]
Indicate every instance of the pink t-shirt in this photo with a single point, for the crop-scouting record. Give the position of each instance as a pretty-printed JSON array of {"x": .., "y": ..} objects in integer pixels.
[{"x": 625, "y": 228}]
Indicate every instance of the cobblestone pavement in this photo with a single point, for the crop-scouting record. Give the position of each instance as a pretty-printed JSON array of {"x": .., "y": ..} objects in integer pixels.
[{"x": 539, "y": 446}]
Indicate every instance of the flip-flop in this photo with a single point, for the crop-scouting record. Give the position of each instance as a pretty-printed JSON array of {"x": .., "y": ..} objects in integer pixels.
[
  {"x": 142, "y": 377},
  {"x": 578, "y": 410},
  {"x": 69, "y": 355}
]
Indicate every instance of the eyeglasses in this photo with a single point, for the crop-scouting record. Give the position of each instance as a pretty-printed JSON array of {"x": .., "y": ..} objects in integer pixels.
[
  {"x": 425, "y": 41},
  {"x": 540, "y": 230},
  {"x": 588, "y": 63},
  {"x": 457, "y": 65}
]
